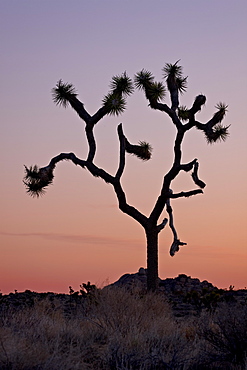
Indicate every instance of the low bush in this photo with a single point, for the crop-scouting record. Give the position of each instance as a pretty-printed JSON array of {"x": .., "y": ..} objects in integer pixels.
[{"x": 116, "y": 329}]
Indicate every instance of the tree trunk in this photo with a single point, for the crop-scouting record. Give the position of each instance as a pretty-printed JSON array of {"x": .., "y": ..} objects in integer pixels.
[{"x": 152, "y": 259}]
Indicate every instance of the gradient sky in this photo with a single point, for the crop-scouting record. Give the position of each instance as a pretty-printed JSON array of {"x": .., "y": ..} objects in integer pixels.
[{"x": 75, "y": 233}]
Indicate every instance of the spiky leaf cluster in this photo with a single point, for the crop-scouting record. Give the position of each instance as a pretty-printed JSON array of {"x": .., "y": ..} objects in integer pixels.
[
  {"x": 114, "y": 103},
  {"x": 181, "y": 84},
  {"x": 173, "y": 70},
  {"x": 183, "y": 113},
  {"x": 62, "y": 93},
  {"x": 174, "y": 77},
  {"x": 218, "y": 133},
  {"x": 36, "y": 180},
  {"x": 222, "y": 109},
  {"x": 154, "y": 91},
  {"x": 142, "y": 151},
  {"x": 143, "y": 79},
  {"x": 145, "y": 150},
  {"x": 122, "y": 84}
]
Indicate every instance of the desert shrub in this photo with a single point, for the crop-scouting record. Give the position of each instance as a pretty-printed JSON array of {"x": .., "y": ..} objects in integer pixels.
[
  {"x": 225, "y": 336},
  {"x": 113, "y": 328},
  {"x": 142, "y": 333},
  {"x": 42, "y": 337},
  {"x": 207, "y": 298}
]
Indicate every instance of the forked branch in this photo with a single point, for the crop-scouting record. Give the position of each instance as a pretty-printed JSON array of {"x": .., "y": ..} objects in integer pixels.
[{"x": 37, "y": 179}]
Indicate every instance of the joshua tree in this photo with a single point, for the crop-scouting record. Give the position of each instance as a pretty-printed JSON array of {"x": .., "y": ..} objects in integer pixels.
[{"x": 114, "y": 103}]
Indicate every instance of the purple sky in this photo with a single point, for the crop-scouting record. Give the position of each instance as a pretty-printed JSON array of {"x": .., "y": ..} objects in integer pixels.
[{"x": 75, "y": 233}]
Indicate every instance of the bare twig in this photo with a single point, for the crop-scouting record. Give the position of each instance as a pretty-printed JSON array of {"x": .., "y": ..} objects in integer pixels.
[{"x": 185, "y": 194}]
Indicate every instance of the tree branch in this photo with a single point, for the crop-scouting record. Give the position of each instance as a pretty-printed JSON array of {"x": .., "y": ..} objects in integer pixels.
[
  {"x": 99, "y": 172},
  {"x": 188, "y": 166},
  {"x": 36, "y": 180},
  {"x": 91, "y": 142},
  {"x": 194, "y": 175},
  {"x": 79, "y": 108},
  {"x": 126, "y": 208},
  {"x": 122, "y": 152},
  {"x": 101, "y": 112},
  {"x": 185, "y": 194},
  {"x": 67, "y": 156},
  {"x": 175, "y": 246},
  {"x": 176, "y": 83},
  {"x": 176, "y": 242},
  {"x": 162, "y": 225},
  {"x": 171, "y": 174},
  {"x": 199, "y": 101},
  {"x": 172, "y": 86},
  {"x": 171, "y": 113},
  {"x": 213, "y": 129}
]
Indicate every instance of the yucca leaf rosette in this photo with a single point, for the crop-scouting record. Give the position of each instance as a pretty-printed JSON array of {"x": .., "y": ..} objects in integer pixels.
[
  {"x": 122, "y": 84},
  {"x": 62, "y": 93},
  {"x": 143, "y": 150},
  {"x": 154, "y": 91},
  {"x": 218, "y": 133},
  {"x": 114, "y": 101},
  {"x": 183, "y": 113},
  {"x": 37, "y": 179},
  {"x": 174, "y": 77},
  {"x": 143, "y": 79},
  {"x": 222, "y": 109}
]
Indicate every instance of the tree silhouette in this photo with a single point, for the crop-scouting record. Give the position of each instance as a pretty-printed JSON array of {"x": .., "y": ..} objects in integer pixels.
[{"x": 114, "y": 103}]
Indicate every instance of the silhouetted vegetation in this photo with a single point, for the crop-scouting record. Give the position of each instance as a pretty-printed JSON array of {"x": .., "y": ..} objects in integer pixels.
[
  {"x": 183, "y": 118},
  {"x": 114, "y": 328}
]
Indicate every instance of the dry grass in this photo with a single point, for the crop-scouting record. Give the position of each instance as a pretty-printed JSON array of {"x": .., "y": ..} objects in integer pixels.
[{"x": 117, "y": 329}]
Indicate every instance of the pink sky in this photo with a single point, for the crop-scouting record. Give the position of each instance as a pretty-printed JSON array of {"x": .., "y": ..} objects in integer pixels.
[{"x": 75, "y": 233}]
